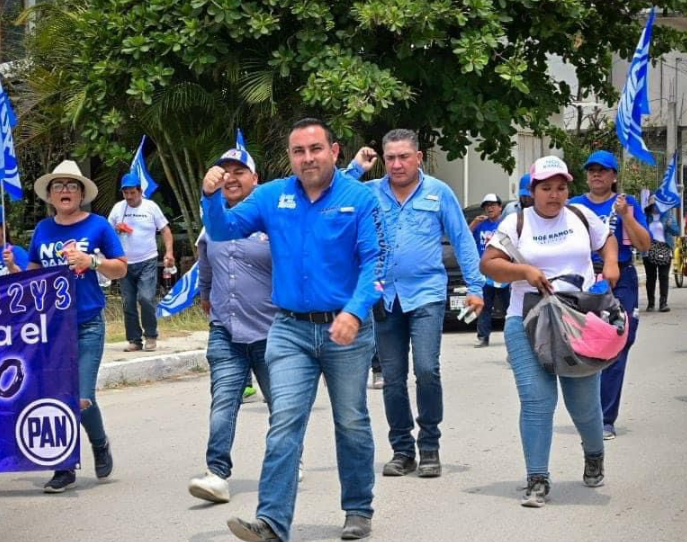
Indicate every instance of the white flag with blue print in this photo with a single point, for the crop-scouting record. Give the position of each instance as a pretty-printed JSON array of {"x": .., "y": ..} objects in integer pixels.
[
  {"x": 667, "y": 196},
  {"x": 138, "y": 168},
  {"x": 9, "y": 168},
  {"x": 182, "y": 294},
  {"x": 634, "y": 101}
]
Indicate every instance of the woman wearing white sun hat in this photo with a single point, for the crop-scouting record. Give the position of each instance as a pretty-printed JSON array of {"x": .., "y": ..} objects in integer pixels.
[{"x": 86, "y": 242}]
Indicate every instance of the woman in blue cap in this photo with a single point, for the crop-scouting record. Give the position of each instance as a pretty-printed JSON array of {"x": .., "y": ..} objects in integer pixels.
[
  {"x": 14, "y": 258},
  {"x": 626, "y": 220}
]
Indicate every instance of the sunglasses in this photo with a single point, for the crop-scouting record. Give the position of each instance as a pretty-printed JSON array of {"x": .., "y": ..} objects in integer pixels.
[{"x": 72, "y": 186}]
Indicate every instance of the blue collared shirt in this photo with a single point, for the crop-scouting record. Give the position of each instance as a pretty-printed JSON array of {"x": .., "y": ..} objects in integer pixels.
[
  {"x": 327, "y": 255},
  {"x": 236, "y": 276},
  {"x": 415, "y": 229}
]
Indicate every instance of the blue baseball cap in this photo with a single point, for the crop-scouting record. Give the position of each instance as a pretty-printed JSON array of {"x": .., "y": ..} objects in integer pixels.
[
  {"x": 525, "y": 186},
  {"x": 604, "y": 159},
  {"x": 237, "y": 155},
  {"x": 130, "y": 180}
]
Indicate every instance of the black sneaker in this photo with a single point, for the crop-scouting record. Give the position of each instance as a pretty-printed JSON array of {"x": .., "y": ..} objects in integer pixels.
[
  {"x": 430, "y": 466},
  {"x": 593, "y": 471},
  {"x": 538, "y": 488},
  {"x": 61, "y": 480},
  {"x": 258, "y": 531},
  {"x": 103, "y": 460},
  {"x": 400, "y": 465}
]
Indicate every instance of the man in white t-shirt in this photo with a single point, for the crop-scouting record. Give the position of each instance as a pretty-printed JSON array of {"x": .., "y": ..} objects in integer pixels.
[{"x": 137, "y": 220}]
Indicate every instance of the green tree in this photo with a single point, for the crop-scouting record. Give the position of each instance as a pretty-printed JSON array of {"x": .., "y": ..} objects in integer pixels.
[{"x": 187, "y": 72}]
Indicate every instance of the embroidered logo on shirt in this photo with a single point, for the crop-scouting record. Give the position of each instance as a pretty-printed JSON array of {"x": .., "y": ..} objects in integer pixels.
[
  {"x": 347, "y": 210},
  {"x": 432, "y": 197},
  {"x": 287, "y": 201}
]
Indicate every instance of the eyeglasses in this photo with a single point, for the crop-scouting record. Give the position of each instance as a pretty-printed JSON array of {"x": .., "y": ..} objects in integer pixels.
[{"x": 70, "y": 187}]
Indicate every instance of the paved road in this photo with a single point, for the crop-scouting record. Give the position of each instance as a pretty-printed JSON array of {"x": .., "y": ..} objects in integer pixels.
[{"x": 158, "y": 433}]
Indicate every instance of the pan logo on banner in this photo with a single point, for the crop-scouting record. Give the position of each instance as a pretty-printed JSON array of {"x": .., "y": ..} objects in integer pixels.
[
  {"x": 47, "y": 432},
  {"x": 39, "y": 380}
]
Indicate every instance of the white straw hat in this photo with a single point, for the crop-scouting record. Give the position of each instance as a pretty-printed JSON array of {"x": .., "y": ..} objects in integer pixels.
[{"x": 68, "y": 169}]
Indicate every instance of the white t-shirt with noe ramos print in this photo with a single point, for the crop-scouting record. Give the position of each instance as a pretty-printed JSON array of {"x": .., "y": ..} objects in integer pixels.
[{"x": 557, "y": 246}]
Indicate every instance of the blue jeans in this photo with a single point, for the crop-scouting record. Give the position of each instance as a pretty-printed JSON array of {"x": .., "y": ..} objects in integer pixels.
[
  {"x": 91, "y": 345},
  {"x": 484, "y": 320},
  {"x": 627, "y": 292},
  {"x": 297, "y": 353},
  {"x": 140, "y": 286},
  {"x": 538, "y": 391},
  {"x": 230, "y": 367},
  {"x": 422, "y": 327}
]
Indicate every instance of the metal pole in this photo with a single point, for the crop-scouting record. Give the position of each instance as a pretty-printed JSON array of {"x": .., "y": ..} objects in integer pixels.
[
  {"x": 4, "y": 215},
  {"x": 466, "y": 172}
]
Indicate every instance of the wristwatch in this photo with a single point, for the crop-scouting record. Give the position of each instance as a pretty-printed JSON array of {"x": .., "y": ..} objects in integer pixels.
[{"x": 96, "y": 260}]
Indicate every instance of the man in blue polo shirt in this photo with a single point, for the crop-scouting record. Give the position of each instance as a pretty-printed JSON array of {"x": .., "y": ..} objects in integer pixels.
[
  {"x": 326, "y": 235},
  {"x": 626, "y": 220},
  {"x": 419, "y": 212}
]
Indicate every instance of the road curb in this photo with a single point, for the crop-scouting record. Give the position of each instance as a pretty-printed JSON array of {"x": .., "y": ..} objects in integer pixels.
[{"x": 147, "y": 369}]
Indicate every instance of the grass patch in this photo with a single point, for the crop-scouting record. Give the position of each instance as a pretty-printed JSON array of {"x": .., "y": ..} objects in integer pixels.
[{"x": 179, "y": 325}]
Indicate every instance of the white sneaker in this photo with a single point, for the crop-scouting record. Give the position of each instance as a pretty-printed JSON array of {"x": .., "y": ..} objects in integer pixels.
[
  {"x": 300, "y": 471},
  {"x": 210, "y": 488}
]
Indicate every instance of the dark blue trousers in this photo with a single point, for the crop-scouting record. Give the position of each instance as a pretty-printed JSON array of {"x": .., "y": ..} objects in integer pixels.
[{"x": 627, "y": 292}]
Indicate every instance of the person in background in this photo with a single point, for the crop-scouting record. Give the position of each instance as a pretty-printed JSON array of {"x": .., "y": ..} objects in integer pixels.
[
  {"x": 235, "y": 283},
  {"x": 90, "y": 244},
  {"x": 483, "y": 228},
  {"x": 554, "y": 241},
  {"x": 377, "y": 381},
  {"x": 137, "y": 220},
  {"x": 627, "y": 222},
  {"x": 663, "y": 230},
  {"x": 524, "y": 198},
  {"x": 419, "y": 211},
  {"x": 14, "y": 258}
]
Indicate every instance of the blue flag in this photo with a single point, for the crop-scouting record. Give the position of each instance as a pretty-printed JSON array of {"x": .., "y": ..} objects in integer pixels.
[
  {"x": 139, "y": 169},
  {"x": 634, "y": 101},
  {"x": 240, "y": 144},
  {"x": 9, "y": 169},
  {"x": 667, "y": 195},
  {"x": 182, "y": 294}
]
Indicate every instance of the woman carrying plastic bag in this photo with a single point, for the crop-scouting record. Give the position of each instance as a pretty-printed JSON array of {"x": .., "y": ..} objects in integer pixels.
[{"x": 555, "y": 241}]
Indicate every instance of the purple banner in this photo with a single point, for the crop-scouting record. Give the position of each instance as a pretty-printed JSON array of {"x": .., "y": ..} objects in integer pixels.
[{"x": 39, "y": 376}]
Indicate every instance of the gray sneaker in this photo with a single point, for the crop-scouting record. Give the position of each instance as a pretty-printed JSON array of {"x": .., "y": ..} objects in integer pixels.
[
  {"x": 593, "y": 471},
  {"x": 538, "y": 488},
  {"x": 258, "y": 531}
]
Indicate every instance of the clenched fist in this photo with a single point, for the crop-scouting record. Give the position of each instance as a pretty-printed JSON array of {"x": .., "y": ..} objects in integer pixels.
[{"x": 213, "y": 180}]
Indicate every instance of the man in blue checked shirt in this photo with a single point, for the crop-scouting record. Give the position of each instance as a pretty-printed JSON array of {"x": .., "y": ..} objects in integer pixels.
[
  {"x": 419, "y": 211},
  {"x": 328, "y": 260}
]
